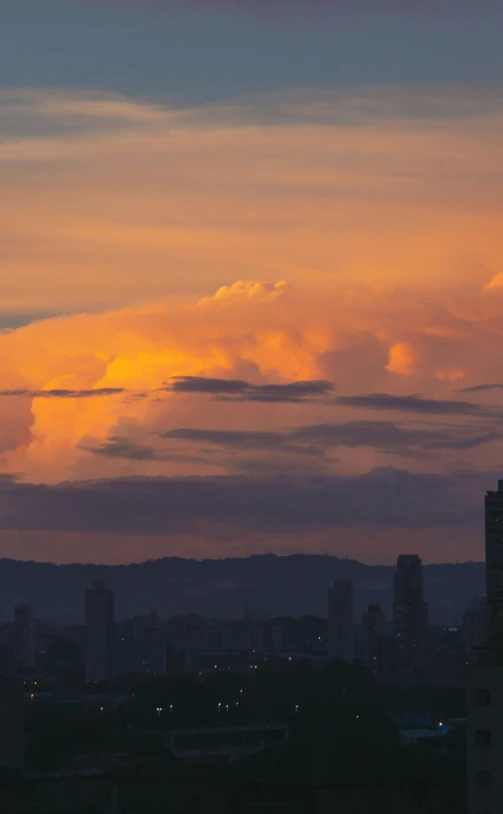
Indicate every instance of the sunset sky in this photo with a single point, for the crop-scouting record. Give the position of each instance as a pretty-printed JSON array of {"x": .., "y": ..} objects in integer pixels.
[{"x": 251, "y": 277}]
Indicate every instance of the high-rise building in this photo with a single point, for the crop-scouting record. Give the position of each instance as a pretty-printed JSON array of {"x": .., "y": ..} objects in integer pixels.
[
  {"x": 12, "y": 728},
  {"x": 410, "y": 612},
  {"x": 494, "y": 557},
  {"x": 99, "y": 631},
  {"x": 373, "y": 625},
  {"x": 341, "y": 620},
  {"x": 484, "y": 727},
  {"x": 475, "y": 623},
  {"x": 24, "y": 633},
  {"x": 152, "y": 644},
  {"x": 485, "y": 682}
]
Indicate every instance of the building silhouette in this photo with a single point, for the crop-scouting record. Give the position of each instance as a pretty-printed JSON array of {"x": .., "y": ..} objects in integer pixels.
[
  {"x": 373, "y": 628},
  {"x": 151, "y": 646},
  {"x": 12, "y": 728},
  {"x": 494, "y": 557},
  {"x": 99, "y": 614},
  {"x": 24, "y": 635},
  {"x": 341, "y": 620},
  {"x": 485, "y": 682},
  {"x": 410, "y": 613},
  {"x": 475, "y": 623}
]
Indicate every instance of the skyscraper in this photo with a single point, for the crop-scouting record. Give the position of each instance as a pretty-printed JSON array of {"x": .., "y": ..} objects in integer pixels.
[
  {"x": 475, "y": 623},
  {"x": 24, "y": 632},
  {"x": 341, "y": 620},
  {"x": 494, "y": 557},
  {"x": 485, "y": 681},
  {"x": 410, "y": 612},
  {"x": 99, "y": 631},
  {"x": 373, "y": 624}
]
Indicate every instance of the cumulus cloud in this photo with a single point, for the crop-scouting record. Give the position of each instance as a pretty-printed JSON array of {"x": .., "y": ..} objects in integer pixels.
[
  {"x": 230, "y": 364},
  {"x": 259, "y": 290}
]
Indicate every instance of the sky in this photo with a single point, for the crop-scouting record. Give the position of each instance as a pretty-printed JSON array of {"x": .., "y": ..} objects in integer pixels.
[{"x": 251, "y": 277}]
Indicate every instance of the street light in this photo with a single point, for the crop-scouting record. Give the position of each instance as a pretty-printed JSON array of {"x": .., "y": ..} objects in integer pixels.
[
  {"x": 158, "y": 710},
  {"x": 296, "y": 708}
]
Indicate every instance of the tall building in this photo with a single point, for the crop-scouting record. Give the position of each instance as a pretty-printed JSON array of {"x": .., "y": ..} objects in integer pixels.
[
  {"x": 24, "y": 634},
  {"x": 373, "y": 625},
  {"x": 410, "y": 612},
  {"x": 341, "y": 620},
  {"x": 12, "y": 728},
  {"x": 485, "y": 682},
  {"x": 99, "y": 631},
  {"x": 152, "y": 647},
  {"x": 475, "y": 623},
  {"x": 494, "y": 557},
  {"x": 485, "y": 728}
]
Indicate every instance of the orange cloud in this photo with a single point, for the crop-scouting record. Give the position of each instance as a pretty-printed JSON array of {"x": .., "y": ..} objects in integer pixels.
[
  {"x": 380, "y": 208},
  {"x": 401, "y": 358},
  {"x": 259, "y": 331},
  {"x": 495, "y": 283},
  {"x": 110, "y": 202}
]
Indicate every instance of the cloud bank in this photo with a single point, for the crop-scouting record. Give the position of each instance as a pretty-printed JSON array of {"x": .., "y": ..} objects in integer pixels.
[{"x": 387, "y": 497}]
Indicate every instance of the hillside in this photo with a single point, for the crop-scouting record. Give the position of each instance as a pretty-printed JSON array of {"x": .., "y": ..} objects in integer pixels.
[{"x": 293, "y": 585}]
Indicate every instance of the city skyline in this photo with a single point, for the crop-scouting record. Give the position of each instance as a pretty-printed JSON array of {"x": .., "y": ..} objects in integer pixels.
[{"x": 251, "y": 279}]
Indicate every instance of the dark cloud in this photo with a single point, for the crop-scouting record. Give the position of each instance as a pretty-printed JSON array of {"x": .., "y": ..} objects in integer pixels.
[
  {"x": 125, "y": 448},
  {"x": 117, "y": 447},
  {"x": 392, "y": 438},
  {"x": 199, "y": 384},
  {"x": 317, "y": 438},
  {"x": 385, "y": 498},
  {"x": 250, "y": 441},
  {"x": 239, "y": 390},
  {"x": 410, "y": 404},
  {"x": 63, "y": 394},
  {"x": 479, "y": 388},
  {"x": 239, "y": 438}
]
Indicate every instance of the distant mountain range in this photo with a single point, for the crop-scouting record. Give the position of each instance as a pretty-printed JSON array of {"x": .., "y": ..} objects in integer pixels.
[{"x": 277, "y": 586}]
